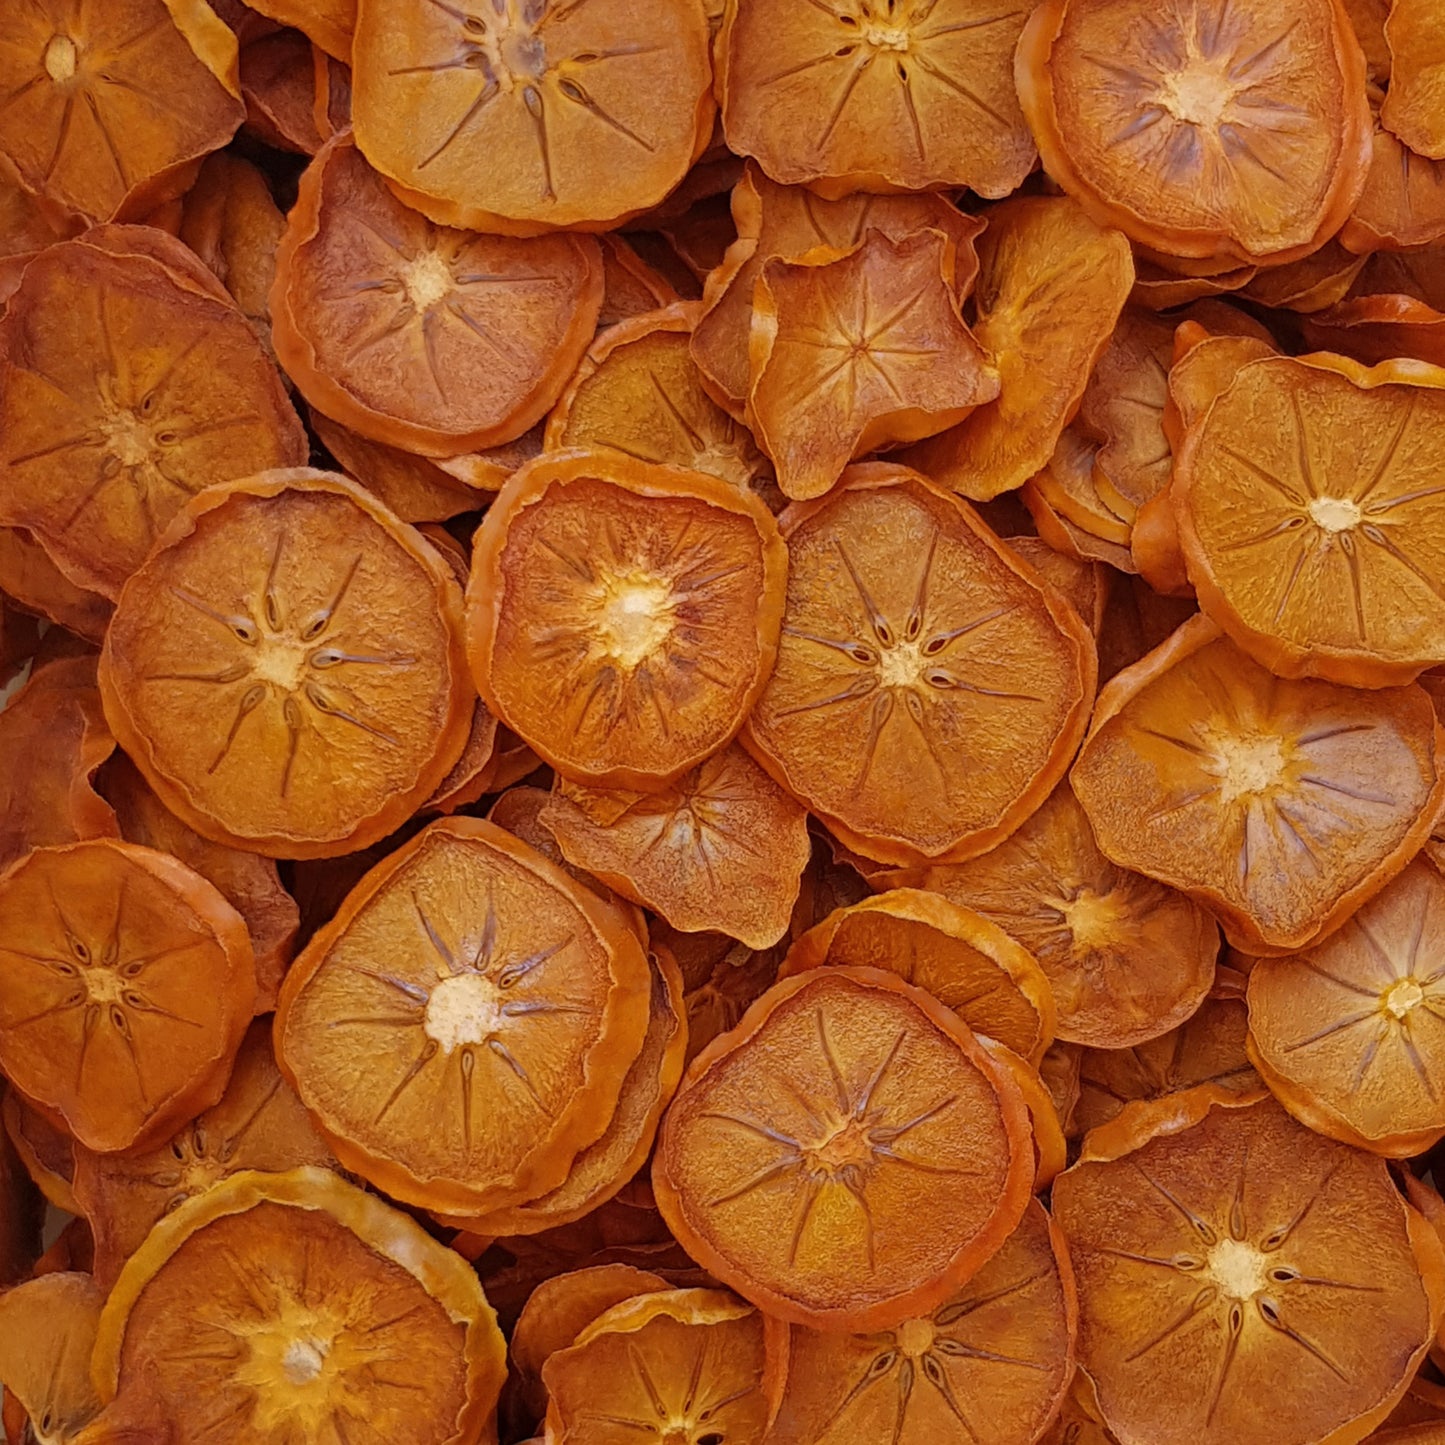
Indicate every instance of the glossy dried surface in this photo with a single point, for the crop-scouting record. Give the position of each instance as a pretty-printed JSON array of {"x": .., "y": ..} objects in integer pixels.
[
  {"x": 128, "y": 984},
  {"x": 1241, "y": 132},
  {"x": 424, "y": 337},
  {"x": 872, "y": 95},
  {"x": 1280, "y": 805},
  {"x": 849, "y": 354},
  {"x": 1126, "y": 957},
  {"x": 460, "y": 1028},
  {"x": 1319, "y": 542},
  {"x": 929, "y": 688},
  {"x": 989, "y": 1364},
  {"x": 1412, "y": 108},
  {"x": 287, "y": 669},
  {"x": 1050, "y": 287},
  {"x": 623, "y": 617},
  {"x": 124, "y": 391},
  {"x": 847, "y": 1156},
  {"x": 1234, "y": 1255}
]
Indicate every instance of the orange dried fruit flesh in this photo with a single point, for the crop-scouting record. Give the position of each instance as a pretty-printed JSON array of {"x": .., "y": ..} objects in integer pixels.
[
  {"x": 460, "y": 1029},
  {"x": 930, "y": 687},
  {"x": 1318, "y": 543},
  {"x": 869, "y": 95},
  {"x": 639, "y": 391},
  {"x": 789, "y": 221},
  {"x": 967, "y": 963},
  {"x": 328, "y": 23},
  {"x": 1051, "y": 285},
  {"x": 289, "y": 1306},
  {"x": 671, "y": 1365},
  {"x": 108, "y": 111},
  {"x": 856, "y": 352},
  {"x": 45, "y": 1149},
  {"x": 128, "y": 983},
  {"x": 47, "y": 1332},
  {"x": 1241, "y": 133},
  {"x": 1412, "y": 106},
  {"x": 287, "y": 670},
  {"x": 847, "y": 1156},
  {"x": 721, "y": 977},
  {"x": 1349, "y": 1034},
  {"x": 30, "y": 578},
  {"x": 722, "y": 849},
  {"x": 435, "y": 340},
  {"x": 623, "y": 617},
  {"x": 1221, "y": 1249},
  {"x": 533, "y": 114},
  {"x": 1068, "y": 486},
  {"x": 1126, "y": 958},
  {"x": 124, "y": 390},
  {"x": 1280, "y": 805},
  {"x": 278, "y": 86},
  {"x": 992, "y": 1362},
  {"x": 1403, "y": 203},
  {"x": 258, "y": 1123}
]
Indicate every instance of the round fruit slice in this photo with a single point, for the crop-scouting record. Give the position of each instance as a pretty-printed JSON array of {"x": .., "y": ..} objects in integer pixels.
[
  {"x": 788, "y": 222},
  {"x": 858, "y": 352},
  {"x": 277, "y": 1307},
  {"x": 639, "y": 391},
  {"x": 460, "y": 1029},
  {"x": 1218, "y": 1250},
  {"x": 257, "y": 1124},
  {"x": 1240, "y": 135},
  {"x": 108, "y": 112},
  {"x": 1351, "y": 1034},
  {"x": 126, "y": 388},
  {"x": 623, "y": 617},
  {"x": 930, "y": 687},
  {"x": 128, "y": 983},
  {"x": 46, "y": 1150},
  {"x": 723, "y": 849},
  {"x": 47, "y": 1332},
  {"x": 993, "y": 1362},
  {"x": 1127, "y": 958},
  {"x": 1403, "y": 204},
  {"x": 287, "y": 669},
  {"x": 873, "y": 97},
  {"x": 1317, "y": 543},
  {"x": 1051, "y": 285},
  {"x": 29, "y": 577},
  {"x": 847, "y": 1156},
  {"x": 1411, "y": 109},
  {"x": 967, "y": 963},
  {"x": 530, "y": 115},
  {"x": 1282, "y": 806},
  {"x": 435, "y": 340}
]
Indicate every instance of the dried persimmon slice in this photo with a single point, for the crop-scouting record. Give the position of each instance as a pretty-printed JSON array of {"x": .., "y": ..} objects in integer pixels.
[
  {"x": 1127, "y": 958},
  {"x": 527, "y": 116},
  {"x": 721, "y": 978},
  {"x": 1350, "y": 1034},
  {"x": 623, "y": 617},
  {"x": 1317, "y": 542},
  {"x": 859, "y": 352},
  {"x": 967, "y": 963},
  {"x": 258, "y": 1123},
  {"x": 279, "y": 87},
  {"x": 930, "y": 687},
  {"x": 788, "y": 222},
  {"x": 1412, "y": 105},
  {"x": 1280, "y": 805},
  {"x": 276, "y": 1307},
  {"x": 1216, "y": 1244},
  {"x": 848, "y": 1112},
  {"x": 287, "y": 669},
  {"x": 681, "y": 1364},
  {"x": 45, "y": 1149},
  {"x": 109, "y": 110},
  {"x": 1238, "y": 134},
  {"x": 47, "y": 1332},
  {"x": 992, "y": 1362},
  {"x": 327, "y": 23},
  {"x": 30, "y": 578},
  {"x": 128, "y": 984},
  {"x": 492, "y": 1007},
  {"x": 1403, "y": 203},
  {"x": 640, "y": 392},
  {"x": 630, "y": 286},
  {"x": 721, "y": 850},
  {"x": 865, "y": 95},
  {"x": 1068, "y": 485},
  {"x": 124, "y": 390},
  {"x": 1051, "y": 285},
  {"x": 431, "y": 339}
]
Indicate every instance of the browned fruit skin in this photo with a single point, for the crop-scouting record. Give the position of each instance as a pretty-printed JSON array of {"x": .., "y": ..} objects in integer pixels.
[
  {"x": 287, "y": 669},
  {"x": 1212, "y": 1240}
]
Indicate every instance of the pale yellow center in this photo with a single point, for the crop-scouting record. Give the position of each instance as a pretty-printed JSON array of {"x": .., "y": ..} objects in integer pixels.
[
  {"x": 1239, "y": 1269},
  {"x": 1335, "y": 514},
  {"x": 129, "y": 439},
  {"x": 1093, "y": 920},
  {"x": 466, "y": 1009},
  {"x": 302, "y": 1360},
  {"x": 915, "y": 1337},
  {"x": 635, "y": 618},
  {"x": 103, "y": 985},
  {"x": 886, "y": 37},
  {"x": 427, "y": 279},
  {"x": 1403, "y": 997},
  {"x": 1249, "y": 765},
  {"x": 847, "y": 1147},
  {"x": 281, "y": 660},
  {"x": 1196, "y": 95},
  {"x": 902, "y": 665},
  {"x": 61, "y": 58}
]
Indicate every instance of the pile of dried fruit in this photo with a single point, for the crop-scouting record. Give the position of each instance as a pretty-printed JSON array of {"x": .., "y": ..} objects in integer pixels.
[{"x": 722, "y": 722}]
